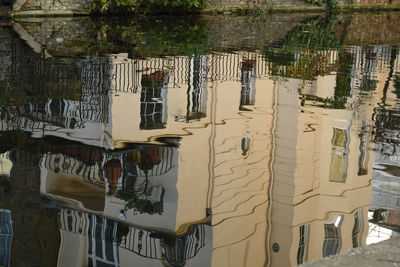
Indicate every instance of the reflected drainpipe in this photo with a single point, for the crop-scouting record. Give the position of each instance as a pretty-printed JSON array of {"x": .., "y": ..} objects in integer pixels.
[
  {"x": 211, "y": 165},
  {"x": 271, "y": 184}
]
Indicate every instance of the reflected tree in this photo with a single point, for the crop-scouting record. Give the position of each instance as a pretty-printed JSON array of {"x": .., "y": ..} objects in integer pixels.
[
  {"x": 137, "y": 191},
  {"x": 301, "y": 52},
  {"x": 153, "y": 37},
  {"x": 387, "y": 120},
  {"x": 396, "y": 84},
  {"x": 306, "y": 53}
]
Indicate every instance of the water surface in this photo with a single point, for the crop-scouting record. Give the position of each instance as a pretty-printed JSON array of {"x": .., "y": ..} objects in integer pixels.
[{"x": 200, "y": 141}]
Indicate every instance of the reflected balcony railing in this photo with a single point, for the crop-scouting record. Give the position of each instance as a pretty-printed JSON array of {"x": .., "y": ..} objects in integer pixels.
[
  {"x": 387, "y": 131},
  {"x": 175, "y": 249},
  {"x": 153, "y": 160},
  {"x": 118, "y": 73},
  {"x": 12, "y": 120},
  {"x": 43, "y": 78},
  {"x": 89, "y": 171},
  {"x": 68, "y": 115},
  {"x": 148, "y": 161}
]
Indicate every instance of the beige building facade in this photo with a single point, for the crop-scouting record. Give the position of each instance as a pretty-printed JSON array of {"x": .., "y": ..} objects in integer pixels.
[{"x": 244, "y": 170}]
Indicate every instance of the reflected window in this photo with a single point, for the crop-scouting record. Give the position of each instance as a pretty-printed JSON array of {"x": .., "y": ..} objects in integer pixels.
[
  {"x": 6, "y": 234},
  {"x": 339, "y": 160},
  {"x": 175, "y": 250},
  {"x": 197, "y": 89},
  {"x": 363, "y": 158},
  {"x": 332, "y": 241},
  {"x": 303, "y": 243},
  {"x": 356, "y": 233},
  {"x": 248, "y": 90},
  {"x": 153, "y": 99},
  {"x": 103, "y": 248}
]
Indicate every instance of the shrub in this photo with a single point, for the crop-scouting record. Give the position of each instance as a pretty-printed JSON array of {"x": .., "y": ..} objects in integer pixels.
[{"x": 129, "y": 6}]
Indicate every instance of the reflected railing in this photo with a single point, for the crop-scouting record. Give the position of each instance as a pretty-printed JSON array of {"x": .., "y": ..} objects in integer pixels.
[
  {"x": 79, "y": 90},
  {"x": 69, "y": 165},
  {"x": 162, "y": 161},
  {"x": 176, "y": 249},
  {"x": 43, "y": 78},
  {"x": 148, "y": 161}
]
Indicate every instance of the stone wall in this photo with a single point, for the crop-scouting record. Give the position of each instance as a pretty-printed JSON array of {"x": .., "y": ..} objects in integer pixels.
[
  {"x": 300, "y": 4},
  {"x": 71, "y": 37},
  {"x": 226, "y": 4},
  {"x": 63, "y": 37},
  {"x": 5, "y": 53},
  {"x": 49, "y": 5},
  {"x": 249, "y": 32},
  {"x": 369, "y": 3},
  {"x": 373, "y": 29},
  {"x": 85, "y": 6}
]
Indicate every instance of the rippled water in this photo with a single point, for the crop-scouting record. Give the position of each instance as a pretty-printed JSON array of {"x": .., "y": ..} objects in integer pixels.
[{"x": 200, "y": 141}]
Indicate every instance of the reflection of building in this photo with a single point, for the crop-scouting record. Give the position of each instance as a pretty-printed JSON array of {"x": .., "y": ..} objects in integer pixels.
[
  {"x": 386, "y": 183},
  {"x": 144, "y": 196},
  {"x": 387, "y": 218},
  {"x": 197, "y": 88},
  {"x": 6, "y": 233},
  {"x": 322, "y": 169},
  {"x": 5, "y": 55},
  {"x": 248, "y": 91},
  {"x": 34, "y": 233},
  {"x": 191, "y": 178},
  {"x": 153, "y": 97},
  {"x": 150, "y": 186},
  {"x": 102, "y": 241}
]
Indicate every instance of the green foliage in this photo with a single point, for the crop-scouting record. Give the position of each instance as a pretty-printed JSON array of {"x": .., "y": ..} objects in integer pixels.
[
  {"x": 129, "y": 6},
  {"x": 173, "y": 4},
  {"x": 343, "y": 77},
  {"x": 3, "y": 86},
  {"x": 139, "y": 204},
  {"x": 184, "y": 39},
  {"x": 115, "y": 6},
  {"x": 308, "y": 41},
  {"x": 336, "y": 102},
  {"x": 302, "y": 55},
  {"x": 368, "y": 84},
  {"x": 329, "y": 4},
  {"x": 314, "y": 34},
  {"x": 396, "y": 83},
  {"x": 160, "y": 36}
]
